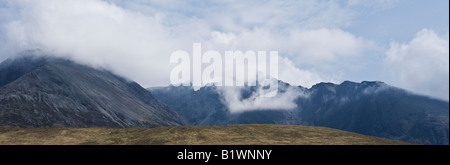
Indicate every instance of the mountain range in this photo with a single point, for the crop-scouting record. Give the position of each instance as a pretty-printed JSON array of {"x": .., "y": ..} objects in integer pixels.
[
  {"x": 45, "y": 91},
  {"x": 371, "y": 108}
]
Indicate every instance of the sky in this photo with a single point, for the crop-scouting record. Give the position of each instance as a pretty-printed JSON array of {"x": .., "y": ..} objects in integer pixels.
[{"x": 404, "y": 43}]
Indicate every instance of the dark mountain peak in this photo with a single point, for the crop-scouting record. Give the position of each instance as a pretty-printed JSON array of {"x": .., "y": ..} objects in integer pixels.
[
  {"x": 324, "y": 88},
  {"x": 324, "y": 84},
  {"x": 347, "y": 82},
  {"x": 373, "y": 82},
  {"x": 47, "y": 91},
  {"x": 354, "y": 89},
  {"x": 13, "y": 68},
  {"x": 377, "y": 84},
  {"x": 31, "y": 57}
]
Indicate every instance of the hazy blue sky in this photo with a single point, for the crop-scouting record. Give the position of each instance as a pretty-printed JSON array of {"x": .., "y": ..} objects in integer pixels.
[{"x": 404, "y": 43}]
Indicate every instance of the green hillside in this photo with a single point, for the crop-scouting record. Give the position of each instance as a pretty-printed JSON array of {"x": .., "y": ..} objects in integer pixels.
[{"x": 190, "y": 135}]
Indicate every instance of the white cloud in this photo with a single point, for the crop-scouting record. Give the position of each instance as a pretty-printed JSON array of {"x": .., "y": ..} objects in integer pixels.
[
  {"x": 422, "y": 65},
  {"x": 326, "y": 50},
  {"x": 324, "y": 44},
  {"x": 221, "y": 37},
  {"x": 232, "y": 97},
  {"x": 96, "y": 33},
  {"x": 136, "y": 38},
  {"x": 295, "y": 76}
]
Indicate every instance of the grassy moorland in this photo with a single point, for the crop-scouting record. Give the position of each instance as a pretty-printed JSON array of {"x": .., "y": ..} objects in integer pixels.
[{"x": 189, "y": 135}]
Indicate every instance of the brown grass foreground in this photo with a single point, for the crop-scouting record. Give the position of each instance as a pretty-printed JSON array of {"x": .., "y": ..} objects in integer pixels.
[{"x": 189, "y": 135}]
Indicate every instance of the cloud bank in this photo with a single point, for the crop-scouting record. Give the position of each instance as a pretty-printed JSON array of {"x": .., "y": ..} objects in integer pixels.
[
  {"x": 96, "y": 33},
  {"x": 135, "y": 38},
  {"x": 422, "y": 65}
]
